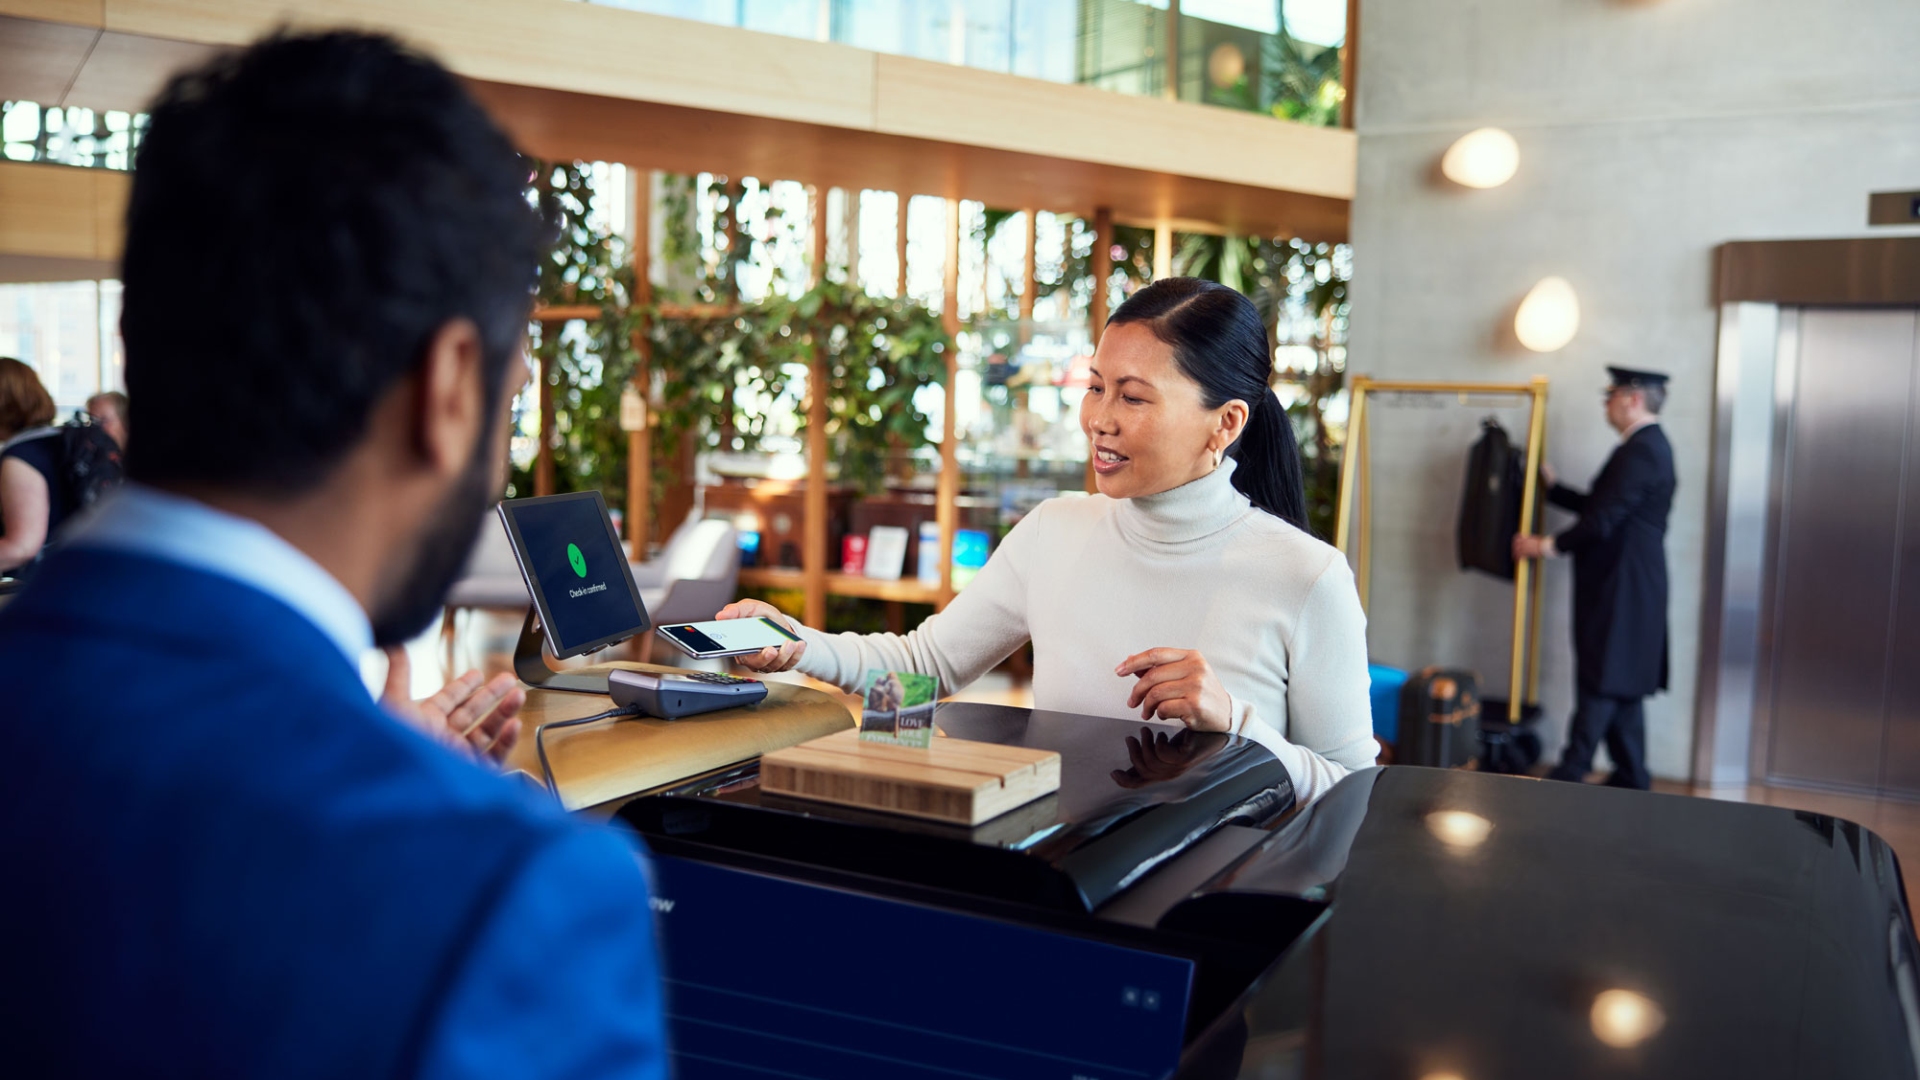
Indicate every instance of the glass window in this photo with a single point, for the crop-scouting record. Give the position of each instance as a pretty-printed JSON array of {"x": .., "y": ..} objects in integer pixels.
[
  {"x": 1279, "y": 57},
  {"x": 68, "y": 332},
  {"x": 72, "y": 136}
]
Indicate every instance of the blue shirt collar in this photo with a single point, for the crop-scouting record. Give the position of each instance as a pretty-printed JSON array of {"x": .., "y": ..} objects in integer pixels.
[{"x": 145, "y": 521}]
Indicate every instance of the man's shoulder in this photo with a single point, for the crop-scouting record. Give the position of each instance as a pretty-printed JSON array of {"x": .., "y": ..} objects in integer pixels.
[
  {"x": 1650, "y": 445},
  {"x": 132, "y": 684},
  {"x": 297, "y": 849},
  {"x": 1652, "y": 436}
]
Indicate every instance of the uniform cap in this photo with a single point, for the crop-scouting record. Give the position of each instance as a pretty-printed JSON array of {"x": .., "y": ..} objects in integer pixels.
[{"x": 1629, "y": 379}]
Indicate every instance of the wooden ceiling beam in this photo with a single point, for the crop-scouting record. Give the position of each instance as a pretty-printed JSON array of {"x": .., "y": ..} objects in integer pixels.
[{"x": 558, "y": 125}]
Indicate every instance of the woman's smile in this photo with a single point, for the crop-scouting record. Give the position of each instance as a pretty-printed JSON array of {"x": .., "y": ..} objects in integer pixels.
[{"x": 1107, "y": 461}]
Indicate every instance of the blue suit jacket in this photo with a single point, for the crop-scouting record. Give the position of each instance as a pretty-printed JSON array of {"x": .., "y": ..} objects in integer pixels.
[{"x": 223, "y": 859}]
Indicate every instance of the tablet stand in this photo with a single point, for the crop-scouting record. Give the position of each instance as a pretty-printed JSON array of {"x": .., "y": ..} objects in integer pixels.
[{"x": 530, "y": 663}]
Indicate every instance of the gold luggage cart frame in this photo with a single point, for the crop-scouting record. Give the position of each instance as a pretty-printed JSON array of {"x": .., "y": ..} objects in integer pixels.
[{"x": 1353, "y": 521}]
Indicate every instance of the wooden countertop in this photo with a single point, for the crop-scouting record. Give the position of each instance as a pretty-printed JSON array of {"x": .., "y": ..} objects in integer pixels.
[{"x": 599, "y": 763}]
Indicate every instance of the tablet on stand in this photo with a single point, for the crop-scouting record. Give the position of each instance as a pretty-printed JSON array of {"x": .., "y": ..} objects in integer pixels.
[{"x": 584, "y": 596}]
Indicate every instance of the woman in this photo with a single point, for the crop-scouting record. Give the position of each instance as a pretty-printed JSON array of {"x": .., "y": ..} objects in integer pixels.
[
  {"x": 1190, "y": 590},
  {"x": 29, "y": 458}
]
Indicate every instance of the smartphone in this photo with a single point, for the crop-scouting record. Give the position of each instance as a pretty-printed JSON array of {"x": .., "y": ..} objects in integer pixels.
[{"x": 727, "y": 637}]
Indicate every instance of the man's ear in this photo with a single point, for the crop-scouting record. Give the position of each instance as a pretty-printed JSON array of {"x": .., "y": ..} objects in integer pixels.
[{"x": 450, "y": 407}]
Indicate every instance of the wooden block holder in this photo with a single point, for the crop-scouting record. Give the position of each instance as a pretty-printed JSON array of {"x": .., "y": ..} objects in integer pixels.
[{"x": 953, "y": 780}]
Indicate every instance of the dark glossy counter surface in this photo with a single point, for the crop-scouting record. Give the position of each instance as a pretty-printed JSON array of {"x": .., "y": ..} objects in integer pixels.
[
  {"x": 1131, "y": 798},
  {"x": 1481, "y": 926}
]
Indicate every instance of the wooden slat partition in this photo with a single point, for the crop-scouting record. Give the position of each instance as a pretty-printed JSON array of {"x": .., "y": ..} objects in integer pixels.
[
  {"x": 947, "y": 497},
  {"x": 813, "y": 552}
]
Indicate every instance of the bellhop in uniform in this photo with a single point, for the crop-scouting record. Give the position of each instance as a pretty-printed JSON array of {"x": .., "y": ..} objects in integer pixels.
[{"x": 1619, "y": 582}]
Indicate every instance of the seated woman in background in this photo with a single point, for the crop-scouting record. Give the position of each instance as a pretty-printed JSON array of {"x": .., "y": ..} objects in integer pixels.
[
  {"x": 29, "y": 462},
  {"x": 1189, "y": 590}
]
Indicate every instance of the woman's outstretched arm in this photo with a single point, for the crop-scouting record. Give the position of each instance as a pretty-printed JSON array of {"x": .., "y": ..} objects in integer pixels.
[{"x": 983, "y": 625}]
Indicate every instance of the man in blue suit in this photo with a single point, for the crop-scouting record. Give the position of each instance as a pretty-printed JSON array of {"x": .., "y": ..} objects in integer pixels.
[{"x": 224, "y": 858}]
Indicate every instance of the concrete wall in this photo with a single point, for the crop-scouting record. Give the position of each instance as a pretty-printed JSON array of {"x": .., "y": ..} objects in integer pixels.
[{"x": 1649, "y": 133}]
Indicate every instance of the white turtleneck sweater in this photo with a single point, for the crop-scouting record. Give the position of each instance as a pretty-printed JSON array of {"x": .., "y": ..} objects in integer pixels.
[{"x": 1093, "y": 580}]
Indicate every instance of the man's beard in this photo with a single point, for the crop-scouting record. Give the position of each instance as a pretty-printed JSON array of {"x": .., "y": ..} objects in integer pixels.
[{"x": 441, "y": 557}]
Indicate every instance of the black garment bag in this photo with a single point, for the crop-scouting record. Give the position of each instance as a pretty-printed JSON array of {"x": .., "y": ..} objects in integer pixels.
[{"x": 1490, "y": 502}]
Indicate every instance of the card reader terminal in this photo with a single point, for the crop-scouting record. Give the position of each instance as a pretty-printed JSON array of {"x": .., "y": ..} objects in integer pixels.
[{"x": 670, "y": 696}]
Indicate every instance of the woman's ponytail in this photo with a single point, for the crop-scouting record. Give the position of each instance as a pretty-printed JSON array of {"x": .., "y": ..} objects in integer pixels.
[
  {"x": 1267, "y": 462},
  {"x": 1219, "y": 342}
]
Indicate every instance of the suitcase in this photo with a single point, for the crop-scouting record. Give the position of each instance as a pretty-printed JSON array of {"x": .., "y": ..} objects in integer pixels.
[
  {"x": 1439, "y": 719},
  {"x": 1385, "y": 701}
]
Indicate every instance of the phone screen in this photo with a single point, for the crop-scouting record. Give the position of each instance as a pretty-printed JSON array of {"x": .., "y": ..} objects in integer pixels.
[{"x": 729, "y": 635}]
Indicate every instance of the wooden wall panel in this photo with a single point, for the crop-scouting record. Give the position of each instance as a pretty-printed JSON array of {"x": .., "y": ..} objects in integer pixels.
[
  {"x": 125, "y": 71},
  {"x": 27, "y": 268},
  {"x": 39, "y": 60},
  {"x": 76, "y": 12},
  {"x": 58, "y": 212},
  {"x": 111, "y": 190}
]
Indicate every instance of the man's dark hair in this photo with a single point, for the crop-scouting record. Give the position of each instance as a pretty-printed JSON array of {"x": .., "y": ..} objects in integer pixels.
[
  {"x": 306, "y": 214},
  {"x": 1654, "y": 398}
]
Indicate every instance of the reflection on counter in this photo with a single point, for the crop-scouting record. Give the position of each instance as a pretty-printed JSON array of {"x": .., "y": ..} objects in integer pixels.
[
  {"x": 1623, "y": 1018},
  {"x": 1588, "y": 922},
  {"x": 1458, "y": 828}
]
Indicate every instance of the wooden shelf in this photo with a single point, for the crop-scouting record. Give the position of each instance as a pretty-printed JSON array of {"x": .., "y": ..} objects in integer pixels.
[{"x": 906, "y": 590}]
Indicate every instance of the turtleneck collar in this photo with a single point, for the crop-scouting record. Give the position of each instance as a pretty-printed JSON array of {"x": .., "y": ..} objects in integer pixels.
[{"x": 1193, "y": 511}]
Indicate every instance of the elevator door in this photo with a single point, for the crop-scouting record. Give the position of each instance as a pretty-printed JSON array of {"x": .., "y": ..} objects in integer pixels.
[{"x": 1844, "y": 695}]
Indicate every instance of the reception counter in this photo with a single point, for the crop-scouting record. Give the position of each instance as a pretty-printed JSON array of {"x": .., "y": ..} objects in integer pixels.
[{"x": 1168, "y": 914}]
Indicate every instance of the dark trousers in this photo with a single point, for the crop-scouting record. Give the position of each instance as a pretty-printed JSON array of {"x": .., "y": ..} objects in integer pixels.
[{"x": 1622, "y": 724}]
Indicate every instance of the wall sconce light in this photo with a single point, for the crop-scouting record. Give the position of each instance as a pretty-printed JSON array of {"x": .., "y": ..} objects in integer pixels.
[
  {"x": 1485, "y": 158},
  {"x": 1549, "y": 316}
]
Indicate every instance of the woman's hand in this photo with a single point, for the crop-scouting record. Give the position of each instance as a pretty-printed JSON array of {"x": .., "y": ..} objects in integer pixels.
[
  {"x": 769, "y": 658},
  {"x": 481, "y": 717},
  {"x": 1178, "y": 684}
]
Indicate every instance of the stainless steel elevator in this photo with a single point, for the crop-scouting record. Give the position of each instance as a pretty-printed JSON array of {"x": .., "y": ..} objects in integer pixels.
[
  {"x": 1839, "y": 703},
  {"x": 1810, "y": 639}
]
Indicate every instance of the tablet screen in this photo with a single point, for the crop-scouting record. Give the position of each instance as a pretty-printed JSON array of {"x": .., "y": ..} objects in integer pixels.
[{"x": 575, "y": 569}]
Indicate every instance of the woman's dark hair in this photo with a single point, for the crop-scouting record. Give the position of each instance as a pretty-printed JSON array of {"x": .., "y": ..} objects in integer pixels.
[
  {"x": 1219, "y": 342},
  {"x": 24, "y": 402}
]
